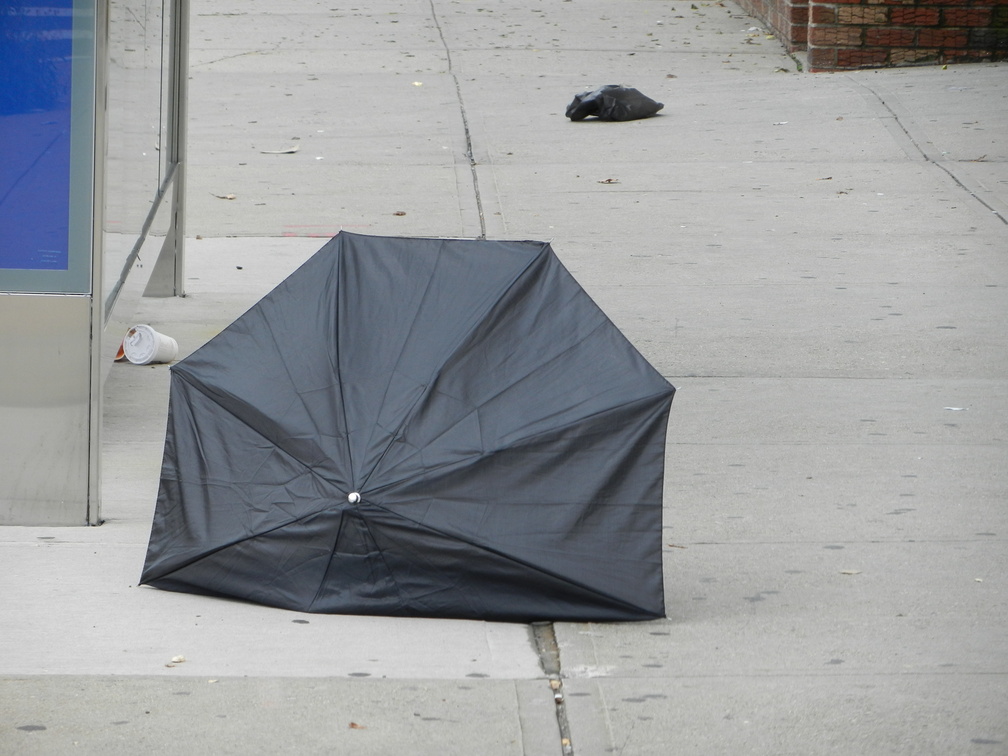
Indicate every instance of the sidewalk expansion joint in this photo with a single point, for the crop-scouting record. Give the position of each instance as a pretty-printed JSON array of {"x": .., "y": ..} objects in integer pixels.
[
  {"x": 465, "y": 123},
  {"x": 890, "y": 107},
  {"x": 546, "y": 646}
]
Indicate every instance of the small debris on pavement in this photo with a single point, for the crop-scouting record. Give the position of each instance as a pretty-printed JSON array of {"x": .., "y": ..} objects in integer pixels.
[{"x": 286, "y": 151}]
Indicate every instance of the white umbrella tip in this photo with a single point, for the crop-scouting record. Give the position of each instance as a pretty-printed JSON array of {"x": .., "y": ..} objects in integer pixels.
[{"x": 353, "y": 497}]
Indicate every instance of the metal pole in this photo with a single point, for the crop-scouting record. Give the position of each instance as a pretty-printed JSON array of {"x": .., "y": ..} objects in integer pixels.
[
  {"x": 100, "y": 141},
  {"x": 180, "y": 73}
]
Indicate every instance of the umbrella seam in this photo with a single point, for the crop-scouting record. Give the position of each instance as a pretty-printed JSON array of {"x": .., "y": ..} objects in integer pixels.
[{"x": 337, "y": 370}]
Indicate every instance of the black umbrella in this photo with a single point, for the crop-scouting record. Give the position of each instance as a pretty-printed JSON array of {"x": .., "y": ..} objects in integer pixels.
[{"x": 419, "y": 427}]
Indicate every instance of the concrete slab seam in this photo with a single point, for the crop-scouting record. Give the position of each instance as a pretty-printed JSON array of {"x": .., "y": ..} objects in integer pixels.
[
  {"x": 465, "y": 122},
  {"x": 901, "y": 122}
]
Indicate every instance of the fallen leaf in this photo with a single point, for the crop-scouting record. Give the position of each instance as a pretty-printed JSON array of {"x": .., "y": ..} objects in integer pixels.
[
  {"x": 355, "y": 726},
  {"x": 609, "y": 181},
  {"x": 224, "y": 196},
  {"x": 674, "y": 546},
  {"x": 850, "y": 572},
  {"x": 399, "y": 213}
]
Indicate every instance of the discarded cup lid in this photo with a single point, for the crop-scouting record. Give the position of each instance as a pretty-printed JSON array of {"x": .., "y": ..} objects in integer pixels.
[{"x": 143, "y": 345}]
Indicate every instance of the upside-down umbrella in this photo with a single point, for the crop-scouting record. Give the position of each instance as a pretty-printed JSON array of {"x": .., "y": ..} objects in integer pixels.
[{"x": 418, "y": 427}]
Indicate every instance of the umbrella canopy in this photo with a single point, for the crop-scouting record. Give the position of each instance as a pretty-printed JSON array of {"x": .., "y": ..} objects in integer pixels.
[{"x": 418, "y": 427}]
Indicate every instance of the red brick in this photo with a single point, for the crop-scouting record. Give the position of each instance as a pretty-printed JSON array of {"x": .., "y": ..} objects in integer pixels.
[
  {"x": 822, "y": 58},
  {"x": 885, "y": 36},
  {"x": 823, "y": 14},
  {"x": 835, "y": 36},
  {"x": 980, "y": 17},
  {"x": 862, "y": 14},
  {"x": 914, "y": 16},
  {"x": 912, "y": 55},
  {"x": 942, "y": 38},
  {"x": 861, "y": 58}
]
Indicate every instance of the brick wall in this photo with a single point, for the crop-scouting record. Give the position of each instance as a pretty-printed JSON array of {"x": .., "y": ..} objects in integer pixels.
[{"x": 844, "y": 34}]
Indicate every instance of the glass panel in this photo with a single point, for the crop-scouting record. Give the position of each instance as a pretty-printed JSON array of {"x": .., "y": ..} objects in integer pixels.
[
  {"x": 135, "y": 163},
  {"x": 46, "y": 140}
]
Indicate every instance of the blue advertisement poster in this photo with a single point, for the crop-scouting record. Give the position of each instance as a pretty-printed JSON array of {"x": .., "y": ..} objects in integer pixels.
[{"x": 45, "y": 183}]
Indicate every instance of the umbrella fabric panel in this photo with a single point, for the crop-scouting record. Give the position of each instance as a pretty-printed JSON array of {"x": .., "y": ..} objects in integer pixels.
[
  {"x": 542, "y": 357},
  {"x": 273, "y": 369},
  {"x": 221, "y": 483},
  {"x": 405, "y": 306},
  {"x": 282, "y": 567},
  {"x": 572, "y": 503},
  {"x": 440, "y": 576}
]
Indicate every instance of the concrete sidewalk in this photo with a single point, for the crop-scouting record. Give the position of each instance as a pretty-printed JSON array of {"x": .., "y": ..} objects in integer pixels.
[{"x": 818, "y": 262}]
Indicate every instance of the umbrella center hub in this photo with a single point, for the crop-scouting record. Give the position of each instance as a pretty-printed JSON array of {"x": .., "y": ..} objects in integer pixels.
[{"x": 353, "y": 497}]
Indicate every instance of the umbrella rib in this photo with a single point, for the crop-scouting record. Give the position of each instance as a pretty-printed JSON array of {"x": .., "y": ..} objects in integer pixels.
[
  {"x": 463, "y": 338},
  {"x": 336, "y": 367}
]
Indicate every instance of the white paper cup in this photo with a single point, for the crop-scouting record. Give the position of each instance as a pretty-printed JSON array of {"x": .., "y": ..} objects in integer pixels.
[{"x": 143, "y": 345}]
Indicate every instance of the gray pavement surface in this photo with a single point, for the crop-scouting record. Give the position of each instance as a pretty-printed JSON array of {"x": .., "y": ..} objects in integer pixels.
[{"x": 818, "y": 262}]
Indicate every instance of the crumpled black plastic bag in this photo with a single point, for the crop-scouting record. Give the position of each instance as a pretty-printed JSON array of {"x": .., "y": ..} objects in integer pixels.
[{"x": 613, "y": 102}]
